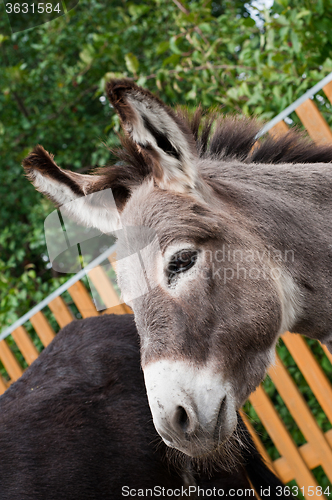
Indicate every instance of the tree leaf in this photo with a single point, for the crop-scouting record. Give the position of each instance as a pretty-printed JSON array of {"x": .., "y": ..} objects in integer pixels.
[
  {"x": 132, "y": 63},
  {"x": 295, "y": 42},
  {"x": 173, "y": 45},
  {"x": 162, "y": 47}
]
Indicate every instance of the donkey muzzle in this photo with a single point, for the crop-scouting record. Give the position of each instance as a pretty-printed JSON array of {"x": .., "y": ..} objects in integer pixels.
[{"x": 193, "y": 409}]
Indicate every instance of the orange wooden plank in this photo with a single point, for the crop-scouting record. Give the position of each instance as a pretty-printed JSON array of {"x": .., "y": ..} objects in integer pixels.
[
  {"x": 106, "y": 290},
  {"x": 25, "y": 344},
  {"x": 299, "y": 410},
  {"x": 279, "y": 129},
  {"x": 311, "y": 371},
  {"x": 327, "y": 352},
  {"x": 328, "y": 91},
  {"x": 128, "y": 309},
  {"x": 110, "y": 310},
  {"x": 314, "y": 122},
  {"x": 328, "y": 436},
  {"x": 258, "y": 443},
  {"x": 9, "y": 361},
  {"x": 82, "y": 299},
  {"x": 61, "y": 311},
  {"x": 309, "y": 456},
  {"x": 43, "y": 329},
  {"x": 3, "y": 386},
  {"x": 113, "y": 262},
  {"x": 282, "y": 439}
]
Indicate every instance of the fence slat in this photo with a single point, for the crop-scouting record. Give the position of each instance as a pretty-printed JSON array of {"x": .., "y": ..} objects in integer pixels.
[
  {"x": 328, "y": 436},
  {"x": 308, "y": 454},
  {"x": 282, "y": 439},
  {"x": 300, "y": 412},
  {"x": 43, "y": 329},
  {"x": 3, "y": 386},
  {"x": 258, "y": 443},
  {"x": 105, "y": 289},
  {"x": 285, "y": 471},
  {"x": 61, "y": 311},
  {"x": 311, "y": 371},
  {"x": 328, "y": 91},
  {"x": 314, "y": 122},
  {"x": 279, "y": 129},
  {"x": 327, "y": 352},
  {"x": 9, "y": 361},
  {"x": 82, "y": 299},
  {"x": 126, "y": 309},
  {"x": 113, "y": 262},
  {"x": 25, "y": 344}
]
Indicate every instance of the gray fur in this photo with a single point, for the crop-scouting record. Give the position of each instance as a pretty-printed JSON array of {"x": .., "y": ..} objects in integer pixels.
[{"x": 273, "y": 218}]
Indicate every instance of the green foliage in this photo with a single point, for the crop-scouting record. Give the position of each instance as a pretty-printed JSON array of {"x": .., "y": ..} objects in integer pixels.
[
  {"x": 52, "y": 77},
  {"x": 52, "y": 93}
]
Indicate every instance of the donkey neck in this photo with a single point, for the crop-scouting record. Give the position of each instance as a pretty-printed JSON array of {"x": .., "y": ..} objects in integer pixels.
[{"x": 285, "y": 207}]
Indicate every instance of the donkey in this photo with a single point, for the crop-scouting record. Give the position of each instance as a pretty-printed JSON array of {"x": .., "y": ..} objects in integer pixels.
[
  {"x": 77, "y": 426},
  {"x": 245, "y": 252}
]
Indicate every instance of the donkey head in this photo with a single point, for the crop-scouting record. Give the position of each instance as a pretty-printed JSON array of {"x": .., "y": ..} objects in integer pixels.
[{"x": 207, "y": 331}]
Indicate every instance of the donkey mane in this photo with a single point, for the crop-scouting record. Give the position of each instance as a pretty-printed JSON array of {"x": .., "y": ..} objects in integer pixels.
[
  {"x": 234, "y": 137},
  {"x": 218, "y": 138}
]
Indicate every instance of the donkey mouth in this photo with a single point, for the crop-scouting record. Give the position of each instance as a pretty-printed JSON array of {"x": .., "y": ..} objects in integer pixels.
[
  {"x": 204, "y": 444},
  {"x": 193, "y": 408}
]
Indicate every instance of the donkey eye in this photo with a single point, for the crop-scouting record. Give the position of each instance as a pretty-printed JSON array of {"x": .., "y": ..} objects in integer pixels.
[{"x": 180, "y": 262}]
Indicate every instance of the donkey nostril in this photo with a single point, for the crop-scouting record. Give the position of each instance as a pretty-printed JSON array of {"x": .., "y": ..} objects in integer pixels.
[{"x": 182, "y": 418}]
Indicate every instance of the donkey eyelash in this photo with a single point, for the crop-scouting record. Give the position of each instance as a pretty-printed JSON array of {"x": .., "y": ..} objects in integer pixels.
[{"x": 180, "y": 262}]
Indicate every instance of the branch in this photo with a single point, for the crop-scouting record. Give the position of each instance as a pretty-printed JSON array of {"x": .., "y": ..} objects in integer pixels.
[
  {"x": 20, "y": 104},
  {"x": 181, "y": 7},
  {"x": 187, "y": 12}
]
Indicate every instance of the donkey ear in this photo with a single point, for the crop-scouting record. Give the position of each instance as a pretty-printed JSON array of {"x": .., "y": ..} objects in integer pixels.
[
  {"x": 159, "y": 132},
  {"x": 61, "y": 186},
  {"x": 85, "y": 198}
]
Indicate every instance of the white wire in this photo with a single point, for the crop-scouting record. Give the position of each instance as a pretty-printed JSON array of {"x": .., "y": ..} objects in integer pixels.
[
  {"x": 281, "y": 116},
  {"x": 57, "y": 292}
]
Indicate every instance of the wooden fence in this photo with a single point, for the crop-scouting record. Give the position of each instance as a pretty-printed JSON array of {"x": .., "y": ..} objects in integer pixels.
[{"x": 295, "y": 463}]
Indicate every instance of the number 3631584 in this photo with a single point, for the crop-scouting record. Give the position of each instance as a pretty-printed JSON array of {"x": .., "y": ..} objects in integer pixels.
[{"x": 32, "y": 8}]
